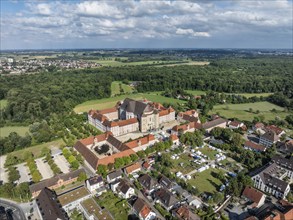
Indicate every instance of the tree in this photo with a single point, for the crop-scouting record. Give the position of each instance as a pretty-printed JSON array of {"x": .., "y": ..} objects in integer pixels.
[
  {"x": 11, "y": 160},
  {"x": 36, "y": 176},
  {"x": 102, "y": 170},
  {"x": 217, "y": 197},
  {"x": 82, "y": 176},
  {"x": 74, "y": 164},
  {"x": 13, "y": 174},
  {"x": 133, "y": 157}
]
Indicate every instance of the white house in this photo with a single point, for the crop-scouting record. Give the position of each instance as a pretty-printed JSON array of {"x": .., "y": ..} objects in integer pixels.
[
  {"x": 96, "y": 183},
  {"x": 123, "y": 189}
]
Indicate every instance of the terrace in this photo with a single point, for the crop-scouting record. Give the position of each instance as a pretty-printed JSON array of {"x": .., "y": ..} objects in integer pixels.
[{"x": 92, "y": 208}]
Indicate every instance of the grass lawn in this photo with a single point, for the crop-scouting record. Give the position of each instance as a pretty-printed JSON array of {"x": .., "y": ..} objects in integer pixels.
[
  {"x": 205, "y": 182},
  {"x": 186, "y": 168},
  {"x": 110, "y": 102},
  {"x": 37, "y": 149},
  {"x": 241, "y": 111},
  {"x": 21, "y": 130},
  {"x": 208, "y": 152},
  {"x": 115, "y": 88},
  {"x": 117, "y": 207},
  {"x": 3, "y": 103}
]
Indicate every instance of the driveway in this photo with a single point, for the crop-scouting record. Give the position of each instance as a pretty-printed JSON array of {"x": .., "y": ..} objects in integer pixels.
[
  {"x": 44, "y": 169},
  {"x": 23, "y": 172},
  {"x": 62, "y": 163}
]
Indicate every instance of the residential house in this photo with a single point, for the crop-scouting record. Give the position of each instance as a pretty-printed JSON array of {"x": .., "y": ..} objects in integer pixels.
[
  {"x": 255, "y": 197},
  {"x": 131, "y": 169},
  {"x": 254, "y": 146},
  {"x": 96, "y": 184},
  {"x": 259, "y": 128},
  {"x": 278, "y": 131},
  {"x": 123, "y": 189},
  {"x": 142, "y": 210},
  {"x": 235, "y": 125},
  {"x": 55, "y": 182},
  {"x": 165, "y": 198},
  {"x": 182, "y": 129},
  {"x": 269, "y": 179},
  {"x": 148, "y": 183},
  {"x": 49, "y": 205},
  {"x": 192, "y": 201},
  {"x": 174, "y": 138},
  {"x": 191, "y": 116},
  {"x": 71, "y": 199},
  {"x": 285, "y": 147},
  {"x": 165, "y": 182},
  {"x": 183, "y": 213},
  {"x": 268, "y": 139},
  {"x": 112, "y": 177}
]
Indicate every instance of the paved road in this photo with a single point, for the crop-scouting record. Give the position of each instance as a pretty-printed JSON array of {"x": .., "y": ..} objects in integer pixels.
[{"x": 16, "y": 211}]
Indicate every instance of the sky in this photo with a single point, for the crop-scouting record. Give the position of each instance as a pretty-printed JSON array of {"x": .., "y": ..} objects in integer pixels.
[{"x": 40, "y": 24}]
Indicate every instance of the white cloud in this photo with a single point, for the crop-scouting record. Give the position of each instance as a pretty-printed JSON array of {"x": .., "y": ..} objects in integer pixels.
[{"x": 138, "y": 20}]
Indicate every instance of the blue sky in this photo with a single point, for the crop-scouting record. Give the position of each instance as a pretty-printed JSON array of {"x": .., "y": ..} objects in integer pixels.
[{"x": 40, "y": 24}]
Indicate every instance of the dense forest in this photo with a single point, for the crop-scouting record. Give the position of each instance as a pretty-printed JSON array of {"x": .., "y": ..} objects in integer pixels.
[
  {"x": 35, "y": 97},
  {"x": 44, "y": 101}
]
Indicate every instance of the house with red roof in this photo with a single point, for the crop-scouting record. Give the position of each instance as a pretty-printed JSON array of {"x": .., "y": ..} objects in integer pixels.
[
  {"x": 253, "y": 196},
  {"x": 142, "y": 210}
]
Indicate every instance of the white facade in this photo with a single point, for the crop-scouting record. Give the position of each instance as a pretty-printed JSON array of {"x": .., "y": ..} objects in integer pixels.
[{"x": 167, "y": 118}]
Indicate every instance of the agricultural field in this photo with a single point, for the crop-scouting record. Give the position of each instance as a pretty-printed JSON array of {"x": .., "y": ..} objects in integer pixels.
[
  {"x": 190, "y": 63},
  {"x": 21, "y": 130},
  {"x": 3, "y": 103},
  {"x": 111, "y": 62},
  {"x": 242, "y": 111},
  {"x": 115, "y": 88},
  {"x": 37, "y": 149},
  {"x": 110, "y": 102},
  {"x": 205, "y": 181}
]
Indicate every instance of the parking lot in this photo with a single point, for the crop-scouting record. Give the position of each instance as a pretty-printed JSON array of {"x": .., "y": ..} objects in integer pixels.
[
  {"x": 62, "y": 163},
  {"x": 44, "y": 169},
  {"x": 23, "y": 172}
]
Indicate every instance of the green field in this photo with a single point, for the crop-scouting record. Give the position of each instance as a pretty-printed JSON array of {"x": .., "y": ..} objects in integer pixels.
[
  {"x": 248, "y": 95},
  {"x": 3, "y": 103},
  {"x": 117, "y": 207},
  {"x": 21, "y": 130},
  {"x": 37, "y": 149},
  {"x": 115, "y": 88},
  {"x": 110, "y": 102},
  {"x": 208, "y": 152},
  {"x": 241, "y": 111},
  {"x": 205, "y": 182}
]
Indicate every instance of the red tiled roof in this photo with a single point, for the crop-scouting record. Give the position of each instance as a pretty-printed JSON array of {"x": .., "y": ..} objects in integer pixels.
[
  {"x": 127, "y": 122},
  {"x": 184, "y": 127},
  {"x": 143, "y": 141},
  {"x": 173, "y": 137},
  {"x": 132, "y": 168},
  {"x": 275, "y": 129},
  {"x": 99, "y": 138},
  {"x": 259, "y": 125},
  {"x": 111, "y": 159},
  {"x": 108, "y": 110},
  {"x": 145, "y": 211},
  {"x": 252, "y": 194},
  {"x": 254, "y": 146},
  {"x": 235, "y": 123},
  {"x": 166, "y": 112},
  {"x": 146, "y": 165}
]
